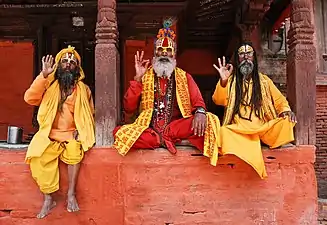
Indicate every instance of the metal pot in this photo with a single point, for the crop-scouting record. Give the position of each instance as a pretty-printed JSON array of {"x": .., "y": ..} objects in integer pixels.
[{"x": 14, "y": 135}]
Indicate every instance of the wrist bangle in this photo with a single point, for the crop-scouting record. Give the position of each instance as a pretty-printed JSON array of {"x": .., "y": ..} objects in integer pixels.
[{"x": 200, "y": 110}]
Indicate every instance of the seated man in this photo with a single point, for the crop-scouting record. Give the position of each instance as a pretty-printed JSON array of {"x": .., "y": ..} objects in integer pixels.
[
  {"x": 66, "y": 124},
  {"x": 255, "y": 110},
  {"x": 172, "y": 108}
]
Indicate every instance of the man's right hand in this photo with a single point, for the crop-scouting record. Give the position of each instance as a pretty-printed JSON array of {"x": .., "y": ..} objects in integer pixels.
[
  {"x": 47, "y": 65},
  {"x": 140, "y": 66},
  {"x": 225, "y": 71}
]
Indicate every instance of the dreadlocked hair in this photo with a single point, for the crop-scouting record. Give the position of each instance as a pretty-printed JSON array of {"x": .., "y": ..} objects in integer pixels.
[{"x": 256, "y": 97}]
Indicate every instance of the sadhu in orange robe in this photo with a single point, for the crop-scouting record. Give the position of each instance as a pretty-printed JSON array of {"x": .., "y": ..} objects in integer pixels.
[
  {"x": 241, "y": 137},
  {"x": 63, "y": 126},
  {"x": 55, "y": 139},
  {"x": 167, "y": 109}
]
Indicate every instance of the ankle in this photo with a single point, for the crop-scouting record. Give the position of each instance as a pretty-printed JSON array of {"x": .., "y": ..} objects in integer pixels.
[
  {"x": 47, "y": 197},
  {"x": 71, "y": 193}
]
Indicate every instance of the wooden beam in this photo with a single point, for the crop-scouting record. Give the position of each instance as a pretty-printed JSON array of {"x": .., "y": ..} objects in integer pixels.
[
  {"x": 152, "y": 8},
  {"x": 49, "y": 6}
]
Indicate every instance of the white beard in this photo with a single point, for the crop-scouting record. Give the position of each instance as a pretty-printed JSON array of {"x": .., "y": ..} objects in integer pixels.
[
  {"x": 163, "y": 68},
  {"x": 246, "y": 67}
]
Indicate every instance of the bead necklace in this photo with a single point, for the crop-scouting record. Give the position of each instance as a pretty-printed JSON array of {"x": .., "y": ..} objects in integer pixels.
[{"x": 163, "y": 104}]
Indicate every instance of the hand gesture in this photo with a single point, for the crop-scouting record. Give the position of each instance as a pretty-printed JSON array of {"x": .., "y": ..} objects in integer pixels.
[
  {"x": 47, "y": 65},
  {"x": 140, "y": 66},
  {"x": 224, "y": 70},
  {"x": 291, "y": 116}
]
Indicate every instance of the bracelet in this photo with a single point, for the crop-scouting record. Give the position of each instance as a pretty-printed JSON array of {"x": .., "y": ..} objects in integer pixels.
[{"x": 200, "y": 110}]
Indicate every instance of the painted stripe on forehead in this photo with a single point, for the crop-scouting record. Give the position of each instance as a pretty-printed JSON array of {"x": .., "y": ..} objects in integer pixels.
[
  {"x": 69, "y": 56},
  {"x": 245, "y": 49}
]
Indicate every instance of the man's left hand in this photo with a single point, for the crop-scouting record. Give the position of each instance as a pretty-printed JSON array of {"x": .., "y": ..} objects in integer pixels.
[
  {"x": 75, "y": 134},
  {"x": 199, "y": 124},
  {"x": 291, "y": 116}
]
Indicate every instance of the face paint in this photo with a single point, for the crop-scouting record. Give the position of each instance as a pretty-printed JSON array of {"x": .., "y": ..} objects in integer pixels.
[
  {"x": 69, "y": 58},
  {"x": 165, "y": 45},
  {"x": 245, "y": 50}
]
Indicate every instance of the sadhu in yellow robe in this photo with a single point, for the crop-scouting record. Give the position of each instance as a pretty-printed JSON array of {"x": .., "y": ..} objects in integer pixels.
[
  {"x": 241, "y": 137},
  {"x": 55, "y": 139}
]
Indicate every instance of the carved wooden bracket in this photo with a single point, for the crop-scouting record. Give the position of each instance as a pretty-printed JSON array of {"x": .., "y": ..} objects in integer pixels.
[
  {"x": 301, "y": 30},
  {"x": 106, "y": 27},
  {"x": 246, "y": 30},
  {"x": 250, "y": 15}
]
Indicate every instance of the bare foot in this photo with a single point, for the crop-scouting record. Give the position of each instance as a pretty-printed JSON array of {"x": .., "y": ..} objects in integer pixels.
[
  {"x": 48, "y": 204},
  {"x": 72, "y": 205},
  {"x": 289, "y": 145}
]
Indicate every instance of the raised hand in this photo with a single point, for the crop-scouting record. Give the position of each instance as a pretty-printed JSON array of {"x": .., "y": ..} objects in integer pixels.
[
  {"x": 47, "y": 65},
  {"x": 140, "y": 66},
  {"x": 225, "y": 70}
]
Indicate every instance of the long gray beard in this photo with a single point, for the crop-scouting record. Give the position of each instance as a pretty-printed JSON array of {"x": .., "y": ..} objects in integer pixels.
[
  {"x": 163, "y": 66},
  {"x": 246, "y": 67}
]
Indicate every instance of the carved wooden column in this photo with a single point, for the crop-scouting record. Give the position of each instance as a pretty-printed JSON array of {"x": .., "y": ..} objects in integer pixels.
[
  {"x": 301, "y": 71},
  {"x": 107, "y": 103}
]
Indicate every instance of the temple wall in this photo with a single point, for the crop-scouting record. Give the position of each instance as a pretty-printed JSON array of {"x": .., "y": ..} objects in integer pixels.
[
  {"x": 275, "y": 67},
  {"x": 154, "y": 187},
  {"x": 321, "y": 163},
  {"x": 16, "y": 66}
]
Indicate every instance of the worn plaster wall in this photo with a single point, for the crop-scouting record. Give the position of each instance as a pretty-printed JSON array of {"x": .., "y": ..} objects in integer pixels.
[{"x": 16, "y": 75}]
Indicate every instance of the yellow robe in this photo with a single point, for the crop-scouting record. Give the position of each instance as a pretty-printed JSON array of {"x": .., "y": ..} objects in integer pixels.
[{"x": 242, "y": 137}]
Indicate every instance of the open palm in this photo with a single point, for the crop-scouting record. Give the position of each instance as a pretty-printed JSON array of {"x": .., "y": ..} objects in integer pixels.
[
  {"x": 140, "y": 66},
  {"x": 47, "y": 65}
]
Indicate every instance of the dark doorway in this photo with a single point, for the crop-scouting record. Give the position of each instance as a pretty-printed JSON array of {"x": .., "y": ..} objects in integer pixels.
[{"x": 207, "y": 85}]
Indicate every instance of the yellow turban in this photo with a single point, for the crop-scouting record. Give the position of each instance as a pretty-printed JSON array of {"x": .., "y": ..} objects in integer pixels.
[{"x": 71, "y": 50}]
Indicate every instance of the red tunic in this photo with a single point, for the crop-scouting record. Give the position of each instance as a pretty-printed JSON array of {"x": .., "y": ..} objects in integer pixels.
[{"x": 178, "y": 128}]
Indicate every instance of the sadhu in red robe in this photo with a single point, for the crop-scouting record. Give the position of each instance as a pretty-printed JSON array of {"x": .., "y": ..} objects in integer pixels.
[{"x": 166, "y": 115}]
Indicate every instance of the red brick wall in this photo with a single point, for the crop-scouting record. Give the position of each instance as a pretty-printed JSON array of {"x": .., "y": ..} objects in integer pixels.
[
  {"x": 321, "y": 143},
  {"x": 16, "y": 75}
]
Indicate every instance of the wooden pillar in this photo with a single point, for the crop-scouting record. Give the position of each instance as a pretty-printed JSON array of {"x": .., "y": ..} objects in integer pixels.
[
  {"x": 301, "y": 71},
  {"x": 107, "y": 104}
]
